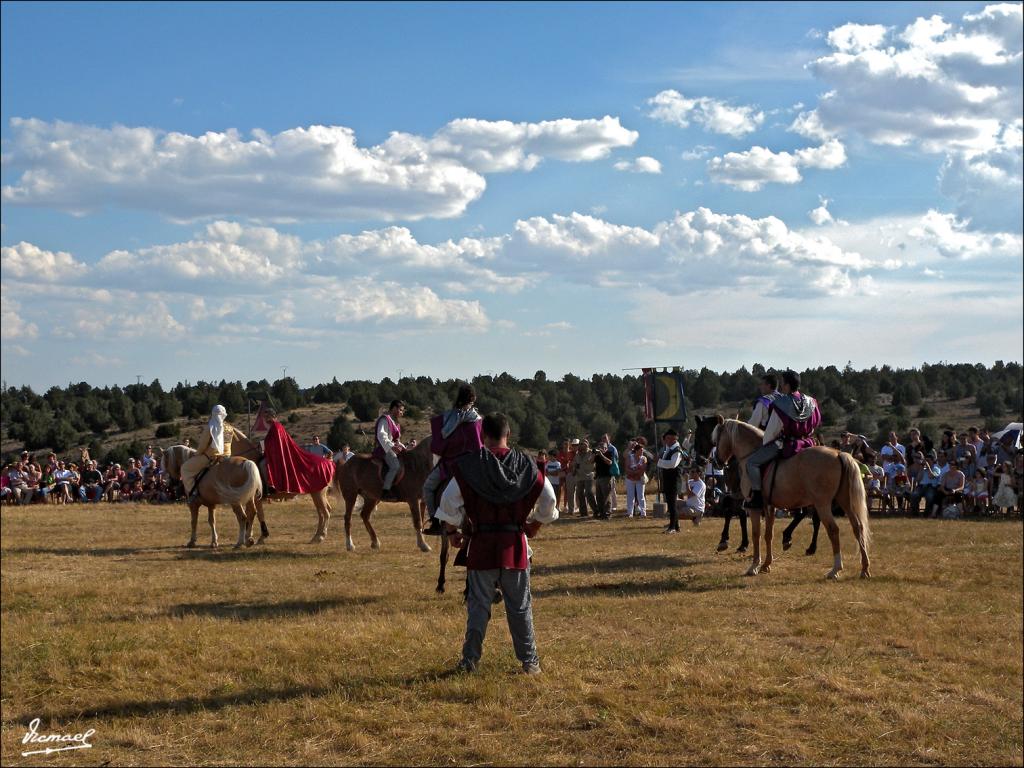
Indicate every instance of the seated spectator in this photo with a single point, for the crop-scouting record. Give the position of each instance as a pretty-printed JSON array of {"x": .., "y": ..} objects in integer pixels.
[
  {"x": 134, "y": 492},
  {"x": 893, "y": 447},
  {"x": 901, "y": 489},
  {"x": 112, "y": 482},
  {"x": 926, "y": 484},
  {"x": 132, "y": 474},
  {"x": 91, "y": 486},
  {"x": 976, "y": 494},
  {"x": 67, "y": 482},
  {"x": 32, "y": 477},
  {"x": 952, "y": 487},
  {"x": 876, "y": 485},
  {"x": 691, "y": 506},
  {"x": 6, "y": 493},
  {"x": 18, "y": 483},
  {"x": 47, "y": 482}
]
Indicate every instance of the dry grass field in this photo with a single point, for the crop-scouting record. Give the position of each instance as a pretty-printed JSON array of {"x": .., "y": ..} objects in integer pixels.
[{"x": 655, "y": 649}]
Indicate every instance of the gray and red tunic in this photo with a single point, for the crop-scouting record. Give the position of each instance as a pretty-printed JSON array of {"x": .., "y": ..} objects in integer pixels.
[
  {"x": 499, "y": 490},
  {"x": 393, "y": 428},
  {"x": 800, "y": 419}
]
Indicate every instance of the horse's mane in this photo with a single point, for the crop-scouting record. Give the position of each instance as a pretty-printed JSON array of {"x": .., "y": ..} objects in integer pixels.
[{"x": 173, "y": 457}]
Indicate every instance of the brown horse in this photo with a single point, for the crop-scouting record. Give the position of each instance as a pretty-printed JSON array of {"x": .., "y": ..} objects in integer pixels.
[
  {"x": 233, "y": 481},
  {"x": 814, "y": 477},
  {"x": 246, "y": 448},
  {"x": 361, "y": 476}
]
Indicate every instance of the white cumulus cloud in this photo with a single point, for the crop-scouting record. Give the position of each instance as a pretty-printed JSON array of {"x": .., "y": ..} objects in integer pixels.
[
  {"x": 751, "y": 169},
  {"x": 316, "y": 172},
  {"x": 641, "y": 164},
  {"x": 713, "y": 115}
]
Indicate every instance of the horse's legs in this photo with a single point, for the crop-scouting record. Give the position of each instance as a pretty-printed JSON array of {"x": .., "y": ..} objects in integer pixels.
[
  {"x": 743, "y": 528},
  {"x": 214, "y": 541},
  {"x": 816, "y": 522},
  {"x": 417, "y": 523},
  {"x": 444, "y": 564},
  {"x": 755, "y": 524},
  {"x": 787, "y": 535},
  {"x": 240, "y": 517},
  {"x": 368, "y": 506},
  {"x": 350, "y": 503},
  {"x": 825, "y": 513},
  {"x": 723, "y": 543},
  {"x": 769, "y": 524},
  {"x": 264, "y": 531},
  {"x": 193, "y": 508},
  {"x": 319, "y": 500},
  {"x": 326, "y": 511}
]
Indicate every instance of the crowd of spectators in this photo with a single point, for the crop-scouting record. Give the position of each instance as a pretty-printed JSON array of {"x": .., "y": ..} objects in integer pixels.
[
  {"x": 968, "y": 473},
  {"x": 56, "y": 481}
]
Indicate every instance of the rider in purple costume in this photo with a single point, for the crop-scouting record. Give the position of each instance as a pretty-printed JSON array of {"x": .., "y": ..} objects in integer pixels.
[
  {"x": 793, "y": 418},
  {"x": 454, "y": 433}
]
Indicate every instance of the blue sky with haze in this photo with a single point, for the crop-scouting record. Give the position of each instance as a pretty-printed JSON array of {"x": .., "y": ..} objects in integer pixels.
[{"x": 216, "y": 190}]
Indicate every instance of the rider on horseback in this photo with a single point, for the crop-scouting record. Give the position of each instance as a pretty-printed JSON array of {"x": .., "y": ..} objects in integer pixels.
[
  {"x": 769, "y": 387},
  {"x": 214, "y": 444},
  {"x": 388, "y": 433},
  {"x": 792, "y": 419},
  {"x": 455, "y": 433}
]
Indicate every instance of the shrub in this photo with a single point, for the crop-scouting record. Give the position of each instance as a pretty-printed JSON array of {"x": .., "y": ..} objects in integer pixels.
[
  {"x": 168, "y": 430},
  {"x": 925, "y": 411}
]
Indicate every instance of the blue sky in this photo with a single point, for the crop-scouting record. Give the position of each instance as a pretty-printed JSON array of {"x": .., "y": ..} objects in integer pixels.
[{"x": 216, "y": 190}]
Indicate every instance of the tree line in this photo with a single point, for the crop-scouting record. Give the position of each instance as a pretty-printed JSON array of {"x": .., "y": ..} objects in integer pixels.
[{"x": 540, "y": 410}]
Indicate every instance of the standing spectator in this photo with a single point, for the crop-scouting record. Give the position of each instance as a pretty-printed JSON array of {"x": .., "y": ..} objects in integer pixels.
[
  {"x": 583, "y": 472},
  {"x": 603, "y": 479},
  {"x": 555, "y": 474},
  {"x": 693, "y": 502},
  {"x": 542, "y": 461},
  {"x": 319, "y": 448},
  {"x": 966, "y": 455},
  {"x": 149, "y": 459},
  {"x": 636, "y": 480},
  {"x": 892, "y": 447},
  {"x": 687, "y": 442},
  {"x": 668, "y": 464},
  {"x": 568, "y": 453},
  {"x": 344, "y": 454},
  {"x": 615, "y": 471},
  {"x": 915, "y": 442},
  {"x": 1004, "y": 498}
]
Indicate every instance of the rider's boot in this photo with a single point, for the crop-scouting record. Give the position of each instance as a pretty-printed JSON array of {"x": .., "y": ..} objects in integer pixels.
[
  {"x": 756, "y": 501},
  {"x": 434, "y": 529}
]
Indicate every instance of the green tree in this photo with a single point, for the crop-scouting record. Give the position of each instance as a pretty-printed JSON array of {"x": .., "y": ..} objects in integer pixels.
[
  {"x": 535, "y": 431},
  {"x": 61, "y": 435},
  {"x": 341, "y": 433},
  {"x": 707, "y": 390}
]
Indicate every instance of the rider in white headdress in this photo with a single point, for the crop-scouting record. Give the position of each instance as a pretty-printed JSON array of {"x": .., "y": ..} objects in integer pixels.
[{"x": 214, "y": 443}]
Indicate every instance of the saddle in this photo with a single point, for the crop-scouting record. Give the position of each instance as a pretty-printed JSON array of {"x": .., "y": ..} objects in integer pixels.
[{"x": 382, "y": 469}]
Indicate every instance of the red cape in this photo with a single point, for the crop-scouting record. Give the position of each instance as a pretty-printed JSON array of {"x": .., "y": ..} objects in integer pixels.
[{"x": 290, "y": 469}]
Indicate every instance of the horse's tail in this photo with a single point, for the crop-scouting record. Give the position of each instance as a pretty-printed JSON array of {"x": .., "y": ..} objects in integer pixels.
[
  {"x": 236, "y": 483},
  {"x": 853, "y": 498}
]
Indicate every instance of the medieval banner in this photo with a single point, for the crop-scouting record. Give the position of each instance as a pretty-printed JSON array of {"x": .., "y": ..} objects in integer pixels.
[{"x": 664, "y": 398}]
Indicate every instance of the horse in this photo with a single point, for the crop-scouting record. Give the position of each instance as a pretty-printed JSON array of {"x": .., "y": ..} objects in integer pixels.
[
  {"x": 233, "y": 481},
  {"x": 814, "y": 477},
  {"x": 732, "y": 502},
  {"x": 361, "y": 476},
  {"x": 246, "y": 448}
]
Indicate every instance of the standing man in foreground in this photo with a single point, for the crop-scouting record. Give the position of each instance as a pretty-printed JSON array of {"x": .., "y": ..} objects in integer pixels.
[
  {"x": 668, "y": 465},
  {"x": 492, "y": 500}
]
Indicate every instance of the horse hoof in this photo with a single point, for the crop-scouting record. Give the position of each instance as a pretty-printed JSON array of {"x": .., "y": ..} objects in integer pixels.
[
  {"x": 316, "y": 539},
  {"x": 261, "y": 539},
  {"x": 766, "y": 568},
  {"x": 236, "y": 545},
  {"x": 424, "y": 547},
  {"x": 350, "y": 547},
  {"x": 375, "y": 545},
  {"x": 440, "y": 590},
  {"x": 215, "y": 545},
  {"x": 832, "y": 575},
  {"x": 250, "y": 541},
  {"x": 865, "y": 575},
  {"x": 191, "y": 545},
  {"x": 753, "y": 571},
  {"x": 810, "y": 552},
  {"x": 786, "y": 544}
]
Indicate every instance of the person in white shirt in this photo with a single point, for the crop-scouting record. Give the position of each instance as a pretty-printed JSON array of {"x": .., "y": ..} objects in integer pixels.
[
  {"x": 344, "y": 454},
  {"x": 668, "y": 466},
  {"x": 893, "y": 447},
  {"x": 693, "y": 502},
  {"x": 769, "y": 387}
]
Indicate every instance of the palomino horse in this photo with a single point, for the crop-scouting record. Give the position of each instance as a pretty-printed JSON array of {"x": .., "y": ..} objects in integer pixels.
[
  {"x": 813, "y": 477},
  {"x": 361, "y": 476},
  {"x": 246, "y": 448},
  {"x": 732, "y": 503},
  {"x": 233, "y": 481}
]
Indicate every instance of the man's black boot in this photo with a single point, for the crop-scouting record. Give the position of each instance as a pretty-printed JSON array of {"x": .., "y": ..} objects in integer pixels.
[{"x": 434, "y": 529}]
